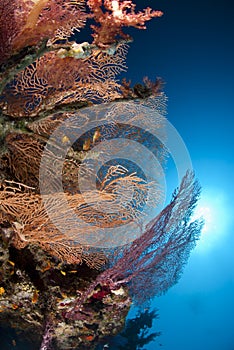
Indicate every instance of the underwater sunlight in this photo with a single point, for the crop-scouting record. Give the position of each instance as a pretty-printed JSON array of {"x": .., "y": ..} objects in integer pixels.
[{"x": 213, "y": 207}]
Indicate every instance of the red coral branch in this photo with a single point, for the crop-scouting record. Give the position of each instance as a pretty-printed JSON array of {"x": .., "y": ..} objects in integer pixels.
[{"x": 116, "y": 14}]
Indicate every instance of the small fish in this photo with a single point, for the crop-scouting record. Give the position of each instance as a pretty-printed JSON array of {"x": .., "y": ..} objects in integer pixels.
[
  {"x": 86, "y": 144},
  {"x": 65, "y": 139},
  {"x": 63, "y": 273},
  {"x": 35, "y": 296},
  {"x": 96, "y": 135}
]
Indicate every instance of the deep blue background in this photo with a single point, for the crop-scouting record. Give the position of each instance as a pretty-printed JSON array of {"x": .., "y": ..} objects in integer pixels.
[{"x": 192, "y": 48}]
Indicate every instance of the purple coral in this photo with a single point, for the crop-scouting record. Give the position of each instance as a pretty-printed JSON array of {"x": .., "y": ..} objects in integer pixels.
[{"x": 154, "y": 261}]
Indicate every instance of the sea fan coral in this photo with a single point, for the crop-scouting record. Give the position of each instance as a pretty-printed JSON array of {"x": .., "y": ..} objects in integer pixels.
[{"x": 81, "y": 172}]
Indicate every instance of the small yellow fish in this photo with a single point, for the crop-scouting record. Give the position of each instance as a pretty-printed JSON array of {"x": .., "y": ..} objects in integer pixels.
[
  {"x": 65, "y": 139},
  {"x": 96, "y": 135}
]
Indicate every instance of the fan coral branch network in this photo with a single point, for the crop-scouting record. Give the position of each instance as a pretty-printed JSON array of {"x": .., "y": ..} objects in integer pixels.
[{"x": 82, "y": 182}]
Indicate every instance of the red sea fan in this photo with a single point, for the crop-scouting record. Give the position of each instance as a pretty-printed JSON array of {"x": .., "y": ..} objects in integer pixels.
[
  {"x": 54, "y": 20},
  {"x": 51, "y": 81}
]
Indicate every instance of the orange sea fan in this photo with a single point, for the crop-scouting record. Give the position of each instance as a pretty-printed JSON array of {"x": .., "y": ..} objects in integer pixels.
[{"x": 46, "y": 221}]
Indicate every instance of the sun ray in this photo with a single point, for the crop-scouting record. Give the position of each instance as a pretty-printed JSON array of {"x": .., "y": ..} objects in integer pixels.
[{"x": 213, "y": 207}]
